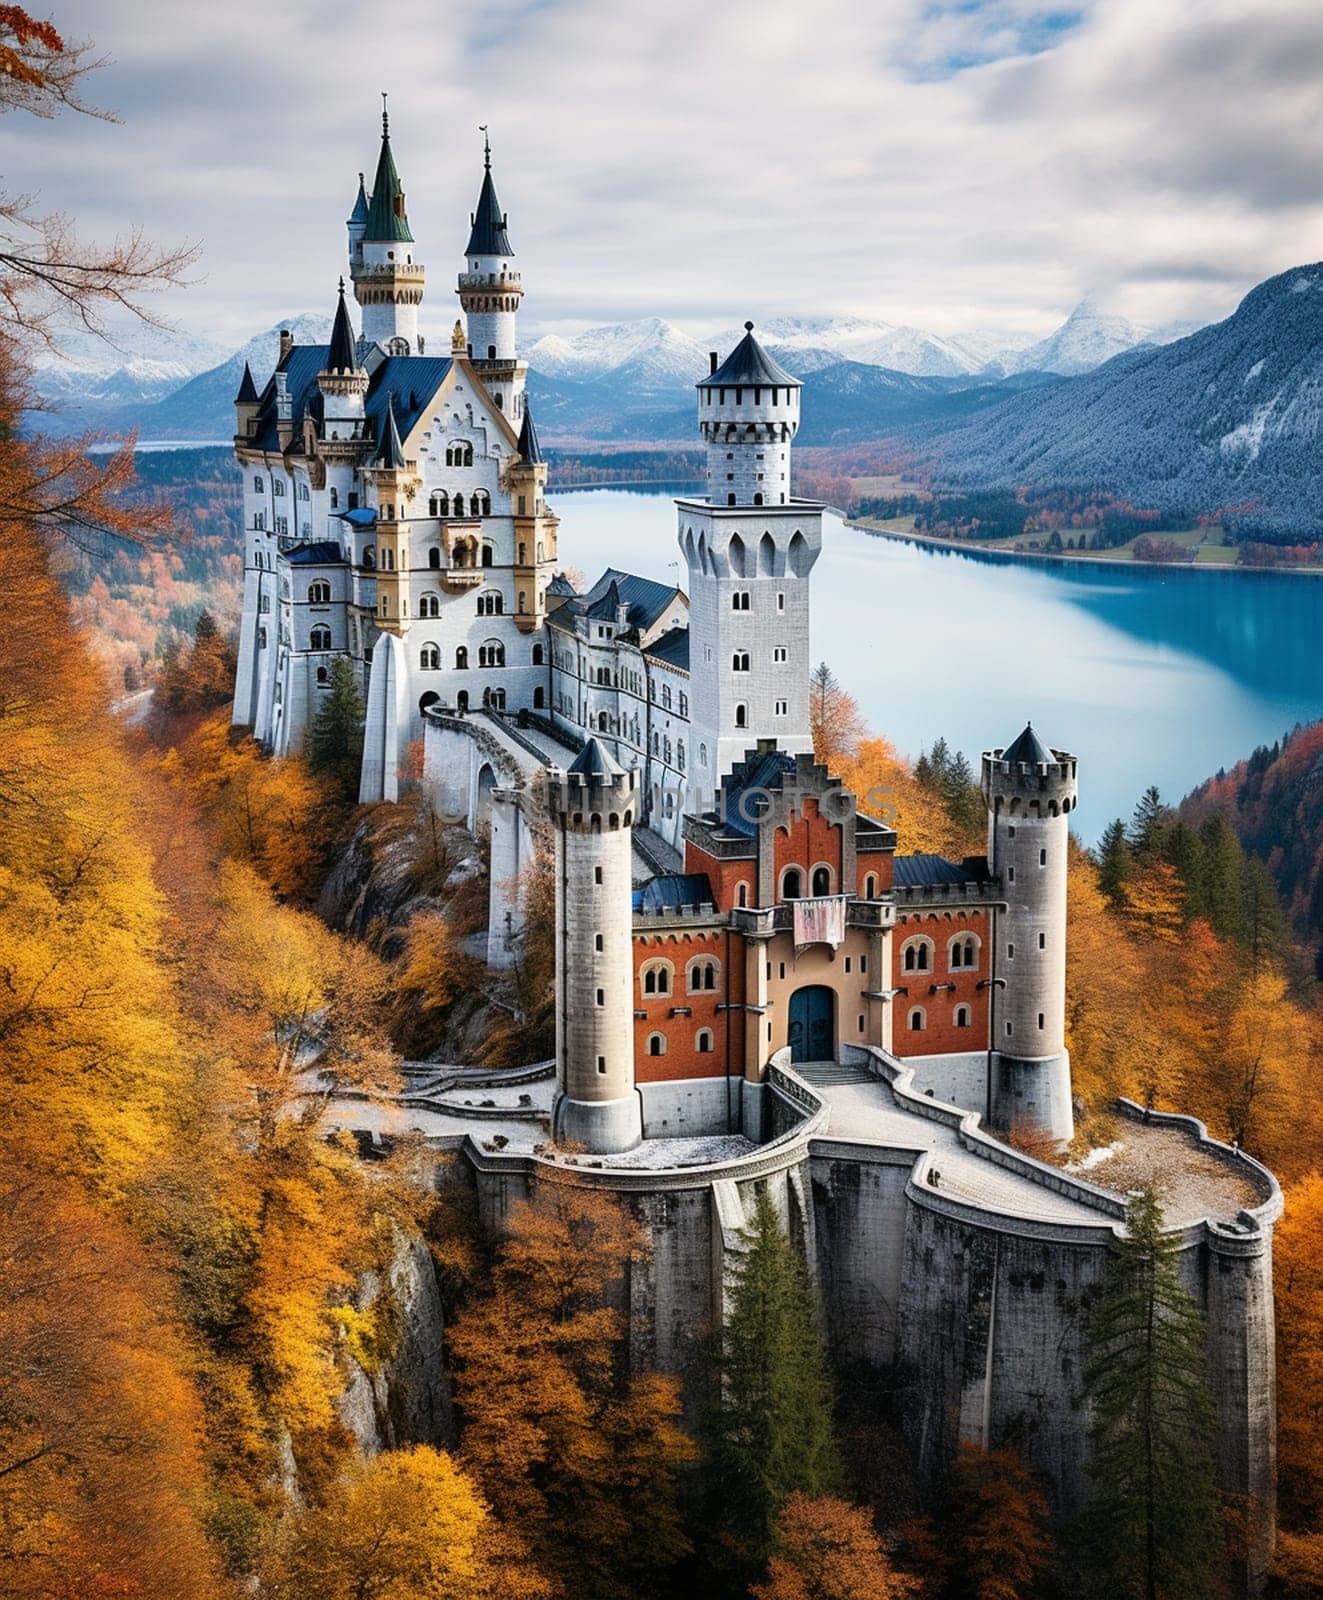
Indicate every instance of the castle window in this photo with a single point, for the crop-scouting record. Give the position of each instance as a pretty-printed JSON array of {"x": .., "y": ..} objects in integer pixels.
[
  {"x": 918, "y": 1020},
  {"x": 494, "y": 699},
  {"x": 491, "y": 654},
  {"x": 429, "y": 658},
  {"x": 597, "y": 874},
  {"x": 792, "y": 884},
  {"x": 780, "y": 602},
  {"x": 870, "y": 887},
  {"x": 739, "y": 601},
  {"x": 462, "y": 702},
  {"x": 1042, "y": 858},
  {"x": 917, "y": 955},
  {"x": 961, "y": 1018},
  {"x": 601, "y": 1064},
  {"x": 261, "y": 638},
  {"x": 822, "y": 880},
  {"x": 779, "y": 708},
  {"x": 319, "y": 594},
  {"x": 1010, "y": 874},
  {"x": 491, "y": 603},
  {"x": 257, "y": 485},
  {"x": 703, "y": 1043},
  {"x": 462, "y": 657},
  {"x": 656, "y": 1044},
  {"x": 739, "y": 662},
  {"x": 601, "y": 997},
  {"x": 962, "y": 952},
  {"x": 684, "y": 704},
  {"x": 537, "y": 655},
  {"x": 598, "y": 943},
  {"x": 1010, "y": 952},
  {"x": 741, "y": 715},
  {"x": 323, "y": 677},
  {"x": 459, "y": 505},
  {"x": 277, "y": 486},
  {"x": 1040, "y": 1022},
  {"x": 657, "y": 977},
  {"x": 741, "y": 894},
  {"x": 1042, "y": 941},
  {"x": 488, "y": 556},
  {"x": 730, "y": 499},
  {"x": 702, "y": 976},
  {"x": 303, "y": 491},
  {"x": 319, "y": 639},
  {"x": 757, "y": 499},
  {"x": 434, "y": 557}
]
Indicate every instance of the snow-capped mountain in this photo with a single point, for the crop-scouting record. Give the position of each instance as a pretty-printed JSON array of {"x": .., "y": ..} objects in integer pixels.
[
  {"x": 1088, "y": 337},
  {"x": 89, "y": 376},
  {"x": 1230, "y": 415},
  {"x": 874, "y": 344},
  {"x": 653, "y": 349}
]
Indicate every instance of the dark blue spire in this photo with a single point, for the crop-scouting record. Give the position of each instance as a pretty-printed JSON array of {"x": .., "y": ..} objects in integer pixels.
[
  {"x": 343, "y": 354},
  {"x": 530, "y": 450},
  {"x": 247, "y": 395},
  {"x": 392, "y": 450},
  {"x": 488, "y": 236}
]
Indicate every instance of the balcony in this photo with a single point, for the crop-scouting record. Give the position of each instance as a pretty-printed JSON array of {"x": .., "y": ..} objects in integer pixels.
[
  {"x": 457, "y": 579},
  {"x": 528, "y": 621}
]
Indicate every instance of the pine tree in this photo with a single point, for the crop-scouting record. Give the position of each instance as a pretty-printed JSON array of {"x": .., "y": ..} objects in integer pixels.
[
  {"x": 335, "y": 740},
  {"x": 1184, "y": 851},
  {"x": 1151, "y": 1529},
  {"x": 1148, "y": 828},
  {"x": 770, "y": 1430},
  {"x": 1224, "y": 877},
  {"x": 1114, "y": 864}
]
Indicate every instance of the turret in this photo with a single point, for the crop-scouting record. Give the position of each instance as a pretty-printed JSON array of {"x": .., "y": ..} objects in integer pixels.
[
  {"x": 534, "y": 525},
  {"x": 344, "y": 383},
  {"x": 749, "y": 549},
  {"x": 357, "y": 224},
  {"x": 246, "y": 404},
  {"x": 489, "y": 290},
  {"x": 748, "y": 413},
  {"x": 396, "y": 483},
  {"x": 592, "y": 808},
  {"x": 1030, "y": 791},
  {"x": 388, "y": 281}
]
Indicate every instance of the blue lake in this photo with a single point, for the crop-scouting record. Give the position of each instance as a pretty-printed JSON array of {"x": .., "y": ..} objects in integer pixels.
[{"x": 1148, "y": 675}]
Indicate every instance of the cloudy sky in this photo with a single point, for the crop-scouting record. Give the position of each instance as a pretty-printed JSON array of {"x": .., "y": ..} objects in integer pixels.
[{"x": 954, "y": 165}]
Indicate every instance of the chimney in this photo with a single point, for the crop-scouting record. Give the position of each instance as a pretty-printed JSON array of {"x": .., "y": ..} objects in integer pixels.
[
  {"x": 286, "y": 342},
  {"x": 712, "y": 360}
]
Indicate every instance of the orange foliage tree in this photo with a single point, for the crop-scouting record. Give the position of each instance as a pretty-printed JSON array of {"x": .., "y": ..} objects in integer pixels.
[{"x": 827, "y": 1549}]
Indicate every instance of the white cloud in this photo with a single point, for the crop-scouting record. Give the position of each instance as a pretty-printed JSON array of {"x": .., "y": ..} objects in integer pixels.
[{"x": 707, "y": 162}]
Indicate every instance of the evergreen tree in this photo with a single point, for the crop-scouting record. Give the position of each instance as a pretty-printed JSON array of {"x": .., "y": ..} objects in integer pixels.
[
  {"x": 770, "y": 1427},
  {"x": 1224, "y": 877},
  {"x": 1114, "y": 864},
  {"x": 1151, "y": 1529},
  {"x": 1185, "y": 852},
  {"x": 1148, "y": 828},
  {"x": 335, "y": 739}
]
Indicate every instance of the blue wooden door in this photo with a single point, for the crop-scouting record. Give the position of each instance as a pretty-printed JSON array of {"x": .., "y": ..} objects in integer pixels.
[{"x": 812, "y": 1036}]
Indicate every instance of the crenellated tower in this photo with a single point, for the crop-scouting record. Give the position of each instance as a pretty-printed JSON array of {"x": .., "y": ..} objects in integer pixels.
[
  {"x": 592, "y": 807},
  {"x": 749, "y": 547},
  {"x": 490, "y": 290},
  {"x": 388, "y": 280},
  {"x": 1030, "y": 791}
]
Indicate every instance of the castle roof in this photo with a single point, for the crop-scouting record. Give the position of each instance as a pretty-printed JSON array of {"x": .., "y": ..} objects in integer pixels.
[
  {"x": 1028, "y": 748},
  {"x": 247, "y": 394},
  {"x": 561, "y": 585},
  {"x": 672, "y": 647},
  {"x": 488, "y": 236},
  {"x": 645, "y": 599},
  {"x": 392, "y": 451},
  {"x": 748, "y": 362},
  {"x": 594, "y": 762},
  {"x": 529, "y": 448},
  {"x": 759, "y": 772},
  {"x": 321, "y": 554},
  {"x": 413, "y": 380},
  {"x": 359, "y": 214},
  {"x": 343, "y": 353},
  {"x": 386, "y": 221},
  {"x": 674, "y": 889},
  {"x": 929, "y": 871}
]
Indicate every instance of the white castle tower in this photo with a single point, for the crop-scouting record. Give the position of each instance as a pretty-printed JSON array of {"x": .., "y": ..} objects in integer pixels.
[
  {"x": 388, "y": 281},
  {"x": 750, "y": 549},
  {"x": 1030, "y": 792},
  {"x": 592, "y": 809},
  {"x": 489, "y": 290}
]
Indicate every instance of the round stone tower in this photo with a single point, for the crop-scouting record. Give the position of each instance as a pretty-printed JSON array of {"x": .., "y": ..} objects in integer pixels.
[
  {"x": 388, "y": 281},
  {"x": 1030, "y": 792},
  {"x": 748, "y": 414},
  {"x": 592, "y": 808}
]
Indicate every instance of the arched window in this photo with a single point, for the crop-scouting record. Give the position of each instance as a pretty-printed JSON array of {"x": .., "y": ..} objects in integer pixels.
[
  {"x": 323, "y": 677},
  {"x": 462, "y": 659},
  {"x": 319, "y": 594},
  {"x": 488, "y": 555},
  {"x": 257, "y": 485},
  {"x": 494, "y": 699},
  {"x": 459, "y": 505},
  {"x": 434, "y": 557},
  {"x": 491, "y": 603},
  {"x": 870, "y": 887},
  {"x": 739, "y": 662},
  {"x": 335, "y": 499},
  {"x": 539, "y": 699},
  {"x": 491, "y": 653},
  {"x": 963, "y": 952},
  {"x": 429, "y": 605},
  {"x": 741, "y": 715},
  {"x": 657, "y": 977},
  {"x": 742, "y": 894},
  {"x": 792, "y": 884},
  {"x": 739, "y": 601},
  {"x": 917, "y": 955},
  {"x": 918, "y": 1020},
  {"x": 703, "y": 1042},
  {"x": 429, "y": 658},
  {"x": 701, "y": 975},
  {"x": 442, "y": 504},
  {"x": 656, "y": 1044},
  {"x": 822, "y": 880},
  {"x": 537, "y": 655},
  {"x": 962, "y": 1016},
  {"x": 462, "y": 701},
  {"x": 319, "y": 639}
]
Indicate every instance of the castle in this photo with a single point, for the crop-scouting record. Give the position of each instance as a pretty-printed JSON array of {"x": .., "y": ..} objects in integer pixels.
[{"x": 756, "y": 990}]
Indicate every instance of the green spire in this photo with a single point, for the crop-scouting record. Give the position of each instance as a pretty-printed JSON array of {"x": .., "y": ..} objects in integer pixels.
[{"x": 386, "y": 220}]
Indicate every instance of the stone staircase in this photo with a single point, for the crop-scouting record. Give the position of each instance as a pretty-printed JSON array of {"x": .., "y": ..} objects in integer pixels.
[{"x": 830, "y": 1074}]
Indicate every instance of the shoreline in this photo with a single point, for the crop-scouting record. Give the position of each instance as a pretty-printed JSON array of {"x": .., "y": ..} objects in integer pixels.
[{"x": 972, "y": 547}]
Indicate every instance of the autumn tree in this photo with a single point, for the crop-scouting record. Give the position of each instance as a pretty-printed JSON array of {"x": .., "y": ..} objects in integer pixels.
[
  {"x": 403, "y": 1525},
  {"x": 335, "y": 737},
  {"x": 996, "y": 1526},
  {"x": 577, "y": 1456},
  {"x": 770, "y": 1429},
  {"x": 1150, "y": 1530},
  {"x": 1298, "y": 1287},
  {"x": 834, "y": 717},
  {"x": 827, "y": 1549}
]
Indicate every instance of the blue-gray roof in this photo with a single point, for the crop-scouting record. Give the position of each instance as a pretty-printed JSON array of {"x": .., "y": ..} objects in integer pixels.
[
  {"x": 488, "y": 236},
  {"x": 748, "y": 362},
  {"x": 359, "y": 517},
  {"x": 529, "y": 448},
  {"x": 674, "y": 889},
  {"x": 645, "y": 598},
  {"x": 672, "y": 647},
  {"x": 595, "y": 761},
  {"x": 300, "y": 367},
  {"x": 321, "y": 554},
  {"x": 413, "y": 379},
  {"x": 925, "y": 871},
  {"x": 1028, "y": 748},
  {"x": 762, "y": 771}
]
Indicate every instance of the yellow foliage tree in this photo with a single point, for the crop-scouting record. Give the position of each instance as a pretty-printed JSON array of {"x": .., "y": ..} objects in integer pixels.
[{"x": 828, "y": 1549}]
